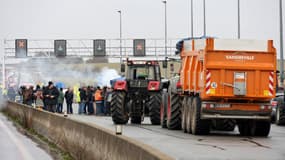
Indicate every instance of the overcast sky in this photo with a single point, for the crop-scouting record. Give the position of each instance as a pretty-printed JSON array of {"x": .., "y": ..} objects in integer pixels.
[{"x": 53, "y": 19}]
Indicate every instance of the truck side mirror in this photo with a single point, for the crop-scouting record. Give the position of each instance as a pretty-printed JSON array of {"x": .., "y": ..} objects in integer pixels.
[
  {"x": 164, "y": 64},
  {"x": 123, "y": 68}
]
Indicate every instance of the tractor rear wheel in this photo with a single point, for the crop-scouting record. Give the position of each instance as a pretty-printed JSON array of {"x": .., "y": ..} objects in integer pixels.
[
  {"x": 173, "y": 111},
  {"x": 118, "y": 110},
  {"x": 154, "y": 105},
  {"x": 163, "y": 110}
]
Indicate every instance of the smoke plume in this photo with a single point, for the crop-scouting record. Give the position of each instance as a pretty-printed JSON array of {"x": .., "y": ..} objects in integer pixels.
[{"x": 69, "y": 73}]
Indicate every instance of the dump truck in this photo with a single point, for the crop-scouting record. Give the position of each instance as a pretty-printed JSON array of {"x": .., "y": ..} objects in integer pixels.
[{"x": 222, "y": 83}]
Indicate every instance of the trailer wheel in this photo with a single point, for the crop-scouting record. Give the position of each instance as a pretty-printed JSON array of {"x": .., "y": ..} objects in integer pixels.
[
  {"x": 198, "y": 126},
  {"x": 224, "y": 124},
  {"x": 184, "y": 114},
  {"x": 154, "y": 104},
  {"x": 247, "y": 127},
  {"x": 173, "y": 111},
  {"x": 118, "y": 110},
  {"x": 262, "y": 128},
  {"x": 189, "y": 114},
  {"x": 163, "y": 109}
]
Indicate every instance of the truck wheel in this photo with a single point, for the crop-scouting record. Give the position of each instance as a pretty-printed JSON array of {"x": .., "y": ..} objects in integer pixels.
[
  {"x": 154, "y": 104},
  {"x": 280, "y": 116},
  {"x": 198, "y": 126},
  {"x": 262, "y": 128},
  {"x": 247, "y": 128},
  {"x": 224, "y": 125},
  {"x": 118, "y": 111},
  {"x": 163, "y": 108},
  {"x": 189, "y": 114},
  {"x": 174, "y": 111},
  {"x": 184, "y": 114},
  {"x": 277, "y": 121}
]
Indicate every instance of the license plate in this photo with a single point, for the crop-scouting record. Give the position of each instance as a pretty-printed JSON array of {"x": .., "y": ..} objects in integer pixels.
[{"x": 223, "y": 105}]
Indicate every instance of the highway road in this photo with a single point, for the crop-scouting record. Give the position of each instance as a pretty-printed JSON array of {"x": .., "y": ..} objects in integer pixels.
[
  {"x": 15, "y": 146},
  {"x": 216, "y": 146}
]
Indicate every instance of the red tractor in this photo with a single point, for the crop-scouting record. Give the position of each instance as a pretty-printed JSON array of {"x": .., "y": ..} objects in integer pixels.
[{"x": 138, "y": 94}]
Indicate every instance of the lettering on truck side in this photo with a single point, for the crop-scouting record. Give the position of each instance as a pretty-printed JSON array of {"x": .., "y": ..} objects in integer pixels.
[{"x": 239, "y": 57}]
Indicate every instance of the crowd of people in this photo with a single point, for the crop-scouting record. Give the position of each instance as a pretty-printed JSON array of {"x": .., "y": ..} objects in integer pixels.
[{"x": 91, "y": 100}]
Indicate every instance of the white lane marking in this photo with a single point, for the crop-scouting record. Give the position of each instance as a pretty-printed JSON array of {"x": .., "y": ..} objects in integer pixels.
[{"x": 25, "y": 154}]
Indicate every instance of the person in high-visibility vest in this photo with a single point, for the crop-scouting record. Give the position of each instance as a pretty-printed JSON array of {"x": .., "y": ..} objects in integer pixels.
[
  {"x": 77, "y": 97},
  {"x": 76, "y": 92},
  {"x": 99, "y": 101},
  {"x": 4, "y": 92}
]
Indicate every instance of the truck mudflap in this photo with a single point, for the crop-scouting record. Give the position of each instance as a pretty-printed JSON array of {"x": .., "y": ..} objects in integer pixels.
[{"x": 212, "y": 110}]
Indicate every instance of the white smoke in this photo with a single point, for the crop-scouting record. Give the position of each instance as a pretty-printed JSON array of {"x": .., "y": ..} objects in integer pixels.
[
  {"x": 106, "y": 75},
  {"x": 70, "y": 74}
]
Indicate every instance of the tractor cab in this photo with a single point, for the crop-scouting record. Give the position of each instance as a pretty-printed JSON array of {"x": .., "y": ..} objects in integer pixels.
[{"x": 143, "y": 70}]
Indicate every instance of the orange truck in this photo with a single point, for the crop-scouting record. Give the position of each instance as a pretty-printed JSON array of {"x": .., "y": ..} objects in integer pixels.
[{"x": 222, "y": 83}]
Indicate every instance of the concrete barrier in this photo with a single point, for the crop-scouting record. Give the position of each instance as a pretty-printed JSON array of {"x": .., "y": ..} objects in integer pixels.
[{"x": 81, "y": 140}]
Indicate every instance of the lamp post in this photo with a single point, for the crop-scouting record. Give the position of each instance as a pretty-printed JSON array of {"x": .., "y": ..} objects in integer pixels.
[
  {"x": 204, "y": 12},
  {"x": 281, "y": 44},
  {"x": 120, "y": 12},
  {"x": 165, "y": 32},
  {"x": 3, "y": 66},
  {"x": 238, "y": 10},
  {"x": 192, "y": 29}
]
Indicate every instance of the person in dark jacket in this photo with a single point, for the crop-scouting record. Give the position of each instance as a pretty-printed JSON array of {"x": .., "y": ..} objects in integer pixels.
[
  {"x": 51, "y": 97},
  {"x": 83, "y": 100},
  {"x": 90, "y": 92},
  {"x": 107, "y": 100},
  {"x": 44, "y": 98},
  {"x": 60, "y": 101},
  {"x": 27, "y": 93},
  {"x": 69, "y": 100},
  {"x": 11, "y": 94}
]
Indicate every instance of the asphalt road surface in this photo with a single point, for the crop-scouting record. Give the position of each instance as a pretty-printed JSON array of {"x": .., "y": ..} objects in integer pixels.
[
  {"x": 216, "y": 146},
  {"x": 15, "y": 146}
]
